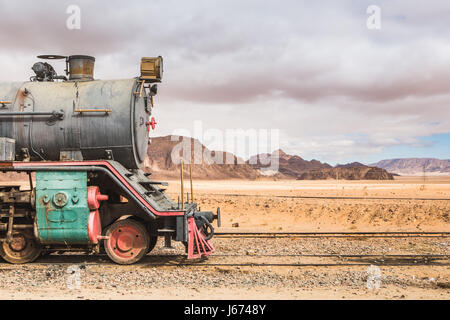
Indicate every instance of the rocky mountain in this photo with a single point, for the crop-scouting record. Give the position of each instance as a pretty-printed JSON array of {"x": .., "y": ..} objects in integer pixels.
[
  {"x": 349, "y": 165},
  {"x": 415, "y": 166},
  {"x": 347, "y": 173},
  {"x": 292, "y": 166},
  {"x": 165, "y": 153},
  {"x": 288, "y": 165}
]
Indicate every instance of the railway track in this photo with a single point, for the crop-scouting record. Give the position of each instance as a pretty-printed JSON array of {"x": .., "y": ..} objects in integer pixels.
[
  {"x": 237, "y": 260},
  {"x": 266, "y": 259},
  {"x": 332, "y": 234},
  {"x": 326, "y": 197}
]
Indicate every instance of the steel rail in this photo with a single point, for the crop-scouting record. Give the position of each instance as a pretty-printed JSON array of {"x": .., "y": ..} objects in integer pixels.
[
  {"x": 331, "y": 234},
  {"x": 381, "y": 260},
  {"x": 409, "y": 264},
  {"x": 336, "y": 255},
  {"x": 327, "y": 197}
]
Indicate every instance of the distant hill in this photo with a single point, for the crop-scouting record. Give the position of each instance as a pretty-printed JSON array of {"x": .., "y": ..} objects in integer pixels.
[
  {"x": 348, "y": 173},
  {"x": 415, "y": 166},
  {"x": 289, "y": 165},
  {"x": 349, "y": 165},
  {"x": 292, "y": 166},
  {"x": 207, "y": 164}
]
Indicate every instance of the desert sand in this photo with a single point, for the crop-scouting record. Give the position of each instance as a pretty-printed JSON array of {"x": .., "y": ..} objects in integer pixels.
[{"x": 270, "y": 205}]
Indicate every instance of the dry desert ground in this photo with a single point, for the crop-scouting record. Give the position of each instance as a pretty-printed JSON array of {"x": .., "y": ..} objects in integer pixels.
[
  {"x": 266, "y": 205},
  {"x": 278, "y": 205}
]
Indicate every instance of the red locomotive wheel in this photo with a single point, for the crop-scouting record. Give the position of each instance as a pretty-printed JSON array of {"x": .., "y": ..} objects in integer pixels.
[
  {"x": 128, "y": 241},
  {"x": 152, "y": 239},
  {"x": 23, "y": 248}
]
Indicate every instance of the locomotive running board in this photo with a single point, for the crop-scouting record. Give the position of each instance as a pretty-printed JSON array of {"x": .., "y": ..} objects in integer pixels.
[{"x": 130, "y": 185}]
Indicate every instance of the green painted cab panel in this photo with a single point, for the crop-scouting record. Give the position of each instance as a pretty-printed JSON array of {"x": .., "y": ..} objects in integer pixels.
[{"x": 62, "y": 211}]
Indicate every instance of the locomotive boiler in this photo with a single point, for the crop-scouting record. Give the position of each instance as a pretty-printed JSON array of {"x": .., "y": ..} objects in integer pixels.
[{"x": 85, "y": 140}]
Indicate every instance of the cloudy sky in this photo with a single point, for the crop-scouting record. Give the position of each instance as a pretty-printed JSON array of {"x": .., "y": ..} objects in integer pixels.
[{"x": 337, "y": 90}]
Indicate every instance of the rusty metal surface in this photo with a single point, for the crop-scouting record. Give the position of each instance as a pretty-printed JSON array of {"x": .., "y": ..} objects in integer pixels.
[
  {"x": 15, "y": 197},
  {"x": 8, "y": 92},
  {"x": 7, "y": 149},
  {"x": 81, "y": 67}
]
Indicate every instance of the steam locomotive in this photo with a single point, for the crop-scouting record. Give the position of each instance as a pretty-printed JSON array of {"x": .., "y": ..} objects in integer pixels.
[{"x": 85, "y": 142}]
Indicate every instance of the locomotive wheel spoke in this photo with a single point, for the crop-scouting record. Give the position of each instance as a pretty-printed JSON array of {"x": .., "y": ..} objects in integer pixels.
[
  {"x": 128, "y": 241},
  {"x": 22, "y": 249}
]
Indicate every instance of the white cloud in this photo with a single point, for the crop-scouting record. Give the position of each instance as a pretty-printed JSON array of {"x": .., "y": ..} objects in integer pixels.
[{"x": 336, "y": 90}]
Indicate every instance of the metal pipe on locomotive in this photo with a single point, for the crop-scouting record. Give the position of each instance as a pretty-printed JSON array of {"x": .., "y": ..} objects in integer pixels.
[{"x": 86, "y": 141}]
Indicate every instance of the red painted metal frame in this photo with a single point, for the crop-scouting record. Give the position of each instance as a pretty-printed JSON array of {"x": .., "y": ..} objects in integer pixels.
[
  {"x": 94, "y": 197},
  {"x": 197, "y": 238},
  {"x": 94, "y": 226},
  {"x": 110, "y": 168}
]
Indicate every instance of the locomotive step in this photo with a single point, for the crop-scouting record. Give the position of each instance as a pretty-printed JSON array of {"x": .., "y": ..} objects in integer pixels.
[
  {"x": 154, "y": 182},
  {"x": 166, "y": 230}
]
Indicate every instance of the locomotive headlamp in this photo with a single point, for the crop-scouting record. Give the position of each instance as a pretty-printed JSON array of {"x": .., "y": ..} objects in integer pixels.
[{"x": 152, "y": 69}]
